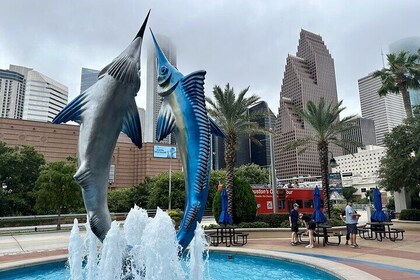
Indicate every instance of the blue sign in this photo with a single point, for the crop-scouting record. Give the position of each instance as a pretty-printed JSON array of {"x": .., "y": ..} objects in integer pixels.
[{"x": 164, "y": 152}]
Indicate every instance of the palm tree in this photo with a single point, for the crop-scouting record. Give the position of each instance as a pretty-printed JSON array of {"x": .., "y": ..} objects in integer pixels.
[
  {"x": 403, "y": 74},
  {"x": 231, "y": 114},
  {"x": 327, "y": 126}
]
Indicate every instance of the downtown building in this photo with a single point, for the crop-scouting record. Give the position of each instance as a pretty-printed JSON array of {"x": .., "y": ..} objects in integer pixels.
[
  {"x": 410, "y": 45},
  {"x": 44, "y": 97},
  {"x": 12, "y": 94},
  {"x": 363, "y": 133},
  {"x": 249, "y": 150},
  {"x": 309, "y": 75},
  {"x": 153, "y": 100},
  {"x": 386, "y": 111},
  {"x": 88, "y": 78}
]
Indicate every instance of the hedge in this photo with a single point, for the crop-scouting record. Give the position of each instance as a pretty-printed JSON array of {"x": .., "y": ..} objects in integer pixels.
[{"x": 410, "y": 214}]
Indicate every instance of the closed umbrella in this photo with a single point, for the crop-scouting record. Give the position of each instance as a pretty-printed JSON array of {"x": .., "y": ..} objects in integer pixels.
[
  {"x": 225, "y": 217},
  {"x": 378, "y": 215},
  {"x": 317, "y": 215}
]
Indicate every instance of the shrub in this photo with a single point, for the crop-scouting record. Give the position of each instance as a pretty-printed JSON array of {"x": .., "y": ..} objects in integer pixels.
[
  {"x": 273, "y": 220},
  {"x": 410, "y": 214},
  {"x": 336, "y": 222},
  {"x": 285, "y": 224},
  {"x": 120, "y": 200},
  {"x": 245, "y": 206},
  {"x": 253, "y": 225},
  {"x": 176, "y": 216}
]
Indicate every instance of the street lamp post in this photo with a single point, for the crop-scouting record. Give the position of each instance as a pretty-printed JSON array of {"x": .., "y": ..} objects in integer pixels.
[
  {"x": 170, "y": 156},
  {"x": 273, "y": 176},
  {"x": 331, "y": 165}
]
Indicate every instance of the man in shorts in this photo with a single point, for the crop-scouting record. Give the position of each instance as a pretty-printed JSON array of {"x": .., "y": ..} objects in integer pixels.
[
  {"x": 293, "y": 220},
  {"x": 351, "y": 221}
]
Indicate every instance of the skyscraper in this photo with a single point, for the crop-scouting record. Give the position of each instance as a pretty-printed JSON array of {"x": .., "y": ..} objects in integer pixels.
[
  {"x": 260, "y": 153},
  {"x": 363, "y": 132},
  {"x": 12, "y": 94},
  {"x": 410, "y": 45},
  {"x": 88, "y": 78},
  {"x": 44, "y": 97},
  {"x": 153, "y": 101},
  {"x": 309, "y": 75},
  {"x": 386, "y": 111}
]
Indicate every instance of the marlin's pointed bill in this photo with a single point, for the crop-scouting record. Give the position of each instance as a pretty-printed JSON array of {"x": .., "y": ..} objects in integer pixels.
[{"x": 103, "y": 111}]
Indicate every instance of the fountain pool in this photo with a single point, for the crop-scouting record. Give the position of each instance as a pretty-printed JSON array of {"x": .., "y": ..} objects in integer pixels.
[{"x": 220, "y": 266}]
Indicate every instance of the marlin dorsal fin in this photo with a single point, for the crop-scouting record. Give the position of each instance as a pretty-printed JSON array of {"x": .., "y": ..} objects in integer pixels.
[
  {"x": 165, "y": 122},
  {"x": 73, "y": 110},
  {"x": 131, "y": 125}
]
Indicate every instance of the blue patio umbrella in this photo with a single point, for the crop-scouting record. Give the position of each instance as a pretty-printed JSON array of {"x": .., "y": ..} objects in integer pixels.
[
  {"x": 378, "y": 215},
  {"x": 225, "y": 217},
  {"x": 317, "y": 215}
]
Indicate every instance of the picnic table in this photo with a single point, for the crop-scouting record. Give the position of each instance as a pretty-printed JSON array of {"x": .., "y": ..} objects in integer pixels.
[
  {"x": 381, "y": 230},
  {"x": 227, "y": 234}
]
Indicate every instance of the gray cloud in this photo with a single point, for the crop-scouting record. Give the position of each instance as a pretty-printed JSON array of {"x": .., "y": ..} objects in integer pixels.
[{"x": 243, "y": 42}]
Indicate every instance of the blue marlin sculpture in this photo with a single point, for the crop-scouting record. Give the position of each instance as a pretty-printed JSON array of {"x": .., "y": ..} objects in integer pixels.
[
  {"x": 103, "y": 111},
  {"x": 183, "y": 113}
]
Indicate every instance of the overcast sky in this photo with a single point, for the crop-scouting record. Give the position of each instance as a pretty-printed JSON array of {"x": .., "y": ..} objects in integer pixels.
[{"x": 241, "y": 42}]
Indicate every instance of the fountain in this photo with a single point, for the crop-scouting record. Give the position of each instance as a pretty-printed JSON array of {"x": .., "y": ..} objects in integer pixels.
[{"x": 147, "y": 248}]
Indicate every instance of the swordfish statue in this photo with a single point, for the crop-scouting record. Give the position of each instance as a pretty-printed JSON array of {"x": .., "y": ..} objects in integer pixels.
[
  {"x": 183, "y": 113},
  {"x": 103, "y": 111}
]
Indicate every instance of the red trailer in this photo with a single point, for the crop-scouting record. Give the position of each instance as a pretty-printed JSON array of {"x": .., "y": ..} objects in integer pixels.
[{"x": 285, "y": 200}]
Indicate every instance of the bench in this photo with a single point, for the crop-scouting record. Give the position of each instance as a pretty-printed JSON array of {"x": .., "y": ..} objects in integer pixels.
[
  {"x": 336, "y": 234},
  {"x": 363, "y": 231},
  {"x": 213, "y": 239},
  {"x": 244, "y": 237},
  {"x": 397, "y": 232},
  {"x": 383, "y": 233},
  {"x": 299, "y": 235}
]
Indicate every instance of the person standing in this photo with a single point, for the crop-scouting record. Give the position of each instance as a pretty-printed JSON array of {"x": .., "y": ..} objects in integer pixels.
[
  {"x": 351, "y": 220},
  {"x": 343, "y": 218},
  {"x": 293, "y": 220}
]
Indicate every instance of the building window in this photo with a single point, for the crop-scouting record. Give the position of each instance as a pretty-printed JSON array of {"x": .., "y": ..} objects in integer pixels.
[{"x": 363, "y": 189}]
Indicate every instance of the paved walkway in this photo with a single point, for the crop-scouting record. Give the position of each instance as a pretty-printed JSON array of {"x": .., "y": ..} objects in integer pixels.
[{"x": 385, "y": 260}]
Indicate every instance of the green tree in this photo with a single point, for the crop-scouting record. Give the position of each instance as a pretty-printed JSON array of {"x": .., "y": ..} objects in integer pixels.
[
  {"x": 400, "y": 166},
  {"x": 56, "y": 190},
  {"x": 402, "y": 74},
  {"x": 348, "y": 192},
  {"x": 140, "y": 193},
  {"x": 159, "y": 191},
  {"x": 252, "y": 174},
  {"x": 19, "y": 169},
  {"x": 231, "y": 114},
  {"x": 327, "y": 128}
]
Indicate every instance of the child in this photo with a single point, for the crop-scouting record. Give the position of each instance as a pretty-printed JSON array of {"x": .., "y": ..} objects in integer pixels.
[{"x": 310, "y": 225}]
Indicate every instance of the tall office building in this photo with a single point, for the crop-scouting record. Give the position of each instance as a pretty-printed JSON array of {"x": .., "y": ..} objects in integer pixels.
[
  {"x": 12, "y": 94},
  {"x": 260, "y": 153},
  {"x": 249, "y": 151},
  {"x": 363, "y": 133},
  {"x": 309, "y": 75},
  {"x": 410, "y": 45},
  {"x": 88, "y": 78},
  {"x": 44, "y": 97},
  {"x": 153, "y": 100},
  {"x": 386, "y": 111}
]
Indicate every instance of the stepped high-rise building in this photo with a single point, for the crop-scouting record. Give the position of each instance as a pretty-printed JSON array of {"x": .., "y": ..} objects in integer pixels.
[
  {"x": 12, "y": 94},
  {"x": 386, "y": 111},
  {"x": 44, "y": 97},
  {"x": 309, "y": 75},
  {"x": 363, "y": 133},
  {"x": 88, "y": 78},
  {"x": 153, "y": 101}
]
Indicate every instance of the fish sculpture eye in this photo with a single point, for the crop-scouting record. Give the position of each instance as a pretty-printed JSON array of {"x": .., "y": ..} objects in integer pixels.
[{"x": 163, "y": 70}]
